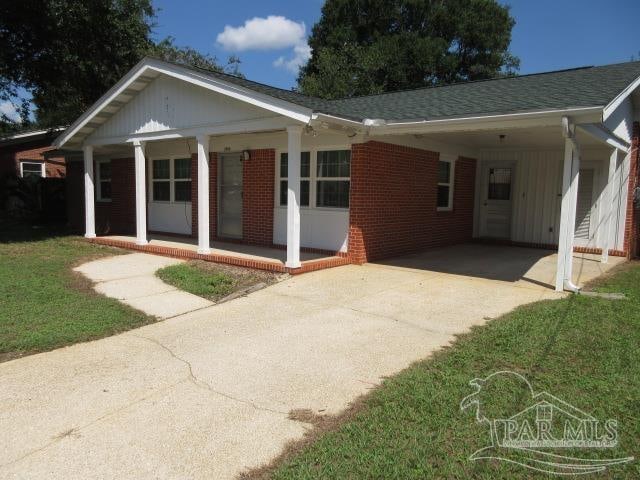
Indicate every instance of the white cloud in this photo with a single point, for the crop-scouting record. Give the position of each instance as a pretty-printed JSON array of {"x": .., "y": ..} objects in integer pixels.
[
  {"x": 271, "y": 33},
  {"x": 9, "y": 109},
  {"x": 301, "y": 53}
]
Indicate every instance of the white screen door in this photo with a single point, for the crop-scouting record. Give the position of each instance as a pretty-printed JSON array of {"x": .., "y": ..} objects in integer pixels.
[
  {"x": 230, "y": 196},
  {"x": 496, "y": 202}
]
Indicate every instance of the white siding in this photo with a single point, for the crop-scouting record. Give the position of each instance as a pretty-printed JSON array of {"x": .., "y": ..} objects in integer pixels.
[
  {"x": 168, "y": 103},
  {"x": 537, "y": 195}
]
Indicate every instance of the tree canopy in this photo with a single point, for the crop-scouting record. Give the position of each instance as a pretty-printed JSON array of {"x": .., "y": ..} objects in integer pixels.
[
  {"x": 362, "y": 47},
  {"x": 67, "y": 53}
]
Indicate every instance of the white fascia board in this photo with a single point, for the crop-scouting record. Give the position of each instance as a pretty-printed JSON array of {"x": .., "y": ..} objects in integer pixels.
[
  {"x": 325, "y": 117},
  {"x": 600, "y": 133},
  {"x": 267, "y": 102},
  {"x": 109, "y": 96},
  {"x": 32, "y": 134},
  {"x": 621, "y": 97},
  {"x": 489, "y": 122},
  {"x": 224, "y": 128}
]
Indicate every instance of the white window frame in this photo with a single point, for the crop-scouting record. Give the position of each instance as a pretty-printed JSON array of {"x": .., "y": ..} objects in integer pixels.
[
  {"x": 172, "y": 180},
  {"x": 98, "y": 180},
  {"x": 313, "y": 177},
  {"x": 43, "y": 169},
  {"x": 451, "y": 184},
  {"x": 281, "y": 179}
]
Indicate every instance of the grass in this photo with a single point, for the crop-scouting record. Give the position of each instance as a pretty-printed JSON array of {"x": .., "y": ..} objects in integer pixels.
[
  {"x": 189, "y": 277},
  {"x": 585, "y": 351},
  {"x": 44, "y": 304}
]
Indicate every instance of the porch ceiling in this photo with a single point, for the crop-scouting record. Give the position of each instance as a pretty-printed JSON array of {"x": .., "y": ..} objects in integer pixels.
[{"x": 535, "y": 137}]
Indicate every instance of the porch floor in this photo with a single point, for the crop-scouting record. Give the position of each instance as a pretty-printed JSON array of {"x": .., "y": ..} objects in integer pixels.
[{"x": 251, "y": 256}]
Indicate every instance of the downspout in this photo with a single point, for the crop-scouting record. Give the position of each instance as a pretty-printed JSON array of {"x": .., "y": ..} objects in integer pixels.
[{"x": 569, "y": 134}]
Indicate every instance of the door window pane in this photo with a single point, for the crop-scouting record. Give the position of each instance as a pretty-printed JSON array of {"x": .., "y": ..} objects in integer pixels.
[
  {"x": 443, "y": 196},
  {"x": 182, "y": 191},
  {"x": 304, "y": 192},
  {"x": 499, "y": 184},
  {"x": 444, "y": 172},
  {"x": 161, "y": 191},
  {"x": 31, "y": 169},
  {"x": 161, "y": 169},
  {"x": 305, "y": 165},
  {"x": 105, "y": 170},
  {"x": 332, "y": 193},
  {"x": 335, "y": 163},
  {"x": 182, "y": 168}
]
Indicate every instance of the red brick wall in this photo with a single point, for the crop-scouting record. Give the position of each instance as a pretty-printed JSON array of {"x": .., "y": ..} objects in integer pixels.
[
  {"x": 213, "y": 195},
  {"x": 258, "y": 177},
  {"x": 393, "y": 202},
  {"x": 632, "y": 222},
  {"x": 55, "y": 166},
  {"x": 115, "y": 217}
]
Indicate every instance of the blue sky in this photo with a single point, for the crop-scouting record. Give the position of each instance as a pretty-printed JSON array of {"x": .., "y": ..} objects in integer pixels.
[{"x": 549, "y": 34}]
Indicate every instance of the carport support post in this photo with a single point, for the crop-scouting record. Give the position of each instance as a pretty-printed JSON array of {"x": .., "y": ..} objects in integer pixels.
[
  {"x": 294, "y": 134},
  {"x": 608, "y": 205},
  {"x": 203, "y": 194},
  {"x": 141, "y": 194},
  {"x": 570, "y": 179},
  {"x": 89, "y": 205}
]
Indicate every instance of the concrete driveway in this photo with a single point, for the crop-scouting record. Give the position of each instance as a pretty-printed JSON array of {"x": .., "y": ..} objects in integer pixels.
[{"x": 207, "y": 394}]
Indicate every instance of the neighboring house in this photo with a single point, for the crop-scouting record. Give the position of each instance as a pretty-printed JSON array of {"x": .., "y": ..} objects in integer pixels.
[
  {"x": 31, "y": 153},
  {"x": 546, "y": 160}
]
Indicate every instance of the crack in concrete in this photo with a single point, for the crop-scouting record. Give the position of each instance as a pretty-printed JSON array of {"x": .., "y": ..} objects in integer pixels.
[{"x": 201, "y": 383}]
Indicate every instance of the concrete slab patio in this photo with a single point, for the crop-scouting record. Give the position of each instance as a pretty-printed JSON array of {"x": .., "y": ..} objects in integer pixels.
[{"x": 207, "y": 394}]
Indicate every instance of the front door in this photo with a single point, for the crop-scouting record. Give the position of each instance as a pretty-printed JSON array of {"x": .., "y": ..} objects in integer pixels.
[
  {"x": 230, "y": 195},
  {"x": 496, "y": 200}
]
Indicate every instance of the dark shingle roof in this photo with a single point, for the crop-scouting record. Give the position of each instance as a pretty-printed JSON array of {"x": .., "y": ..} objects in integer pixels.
[{"x": 579, "y": 87}]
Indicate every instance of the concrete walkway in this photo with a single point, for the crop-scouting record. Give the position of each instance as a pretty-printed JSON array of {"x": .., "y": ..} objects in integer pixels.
[
  {"x": 207, "y": 394},
  {"x": 131, "y": 279}
]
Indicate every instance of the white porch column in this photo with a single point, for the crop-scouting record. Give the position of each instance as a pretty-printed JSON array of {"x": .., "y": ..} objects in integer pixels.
[
  {"x": 570, "y": 179},
  {"x": 294, "y": 134},
  {"x": 141, "y": 193},
  {"x": 607, "y": 205},
  {"x": 89, "y": 196},
  {"x": 203, "y": 194}
]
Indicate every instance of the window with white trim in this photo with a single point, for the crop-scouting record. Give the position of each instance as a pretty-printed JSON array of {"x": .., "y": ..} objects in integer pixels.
[
  {"x": 445, "y": 184},
  {"x": 325, "y": 177},
  {"x": 171, "y": 180},
  {"x": 305, "y": 178},
  {"x": 103, "y": 191},
  {"x": 333, "y": 178},
  {"x": 32, "y": 169}
]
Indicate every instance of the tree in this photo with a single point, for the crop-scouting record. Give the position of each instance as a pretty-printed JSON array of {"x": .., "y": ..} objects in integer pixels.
[
  {"x": 362, "y": 47},
  {"x": 67, "y": 53}
]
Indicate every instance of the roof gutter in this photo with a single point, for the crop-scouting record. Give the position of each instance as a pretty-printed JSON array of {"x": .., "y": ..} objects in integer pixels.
[{"x": 481, "y": 122}]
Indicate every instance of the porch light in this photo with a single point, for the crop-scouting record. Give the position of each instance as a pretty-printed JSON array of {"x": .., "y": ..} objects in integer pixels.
[
  {"x": 501, "y": 138},
  {"x": 246, "y": 155}
]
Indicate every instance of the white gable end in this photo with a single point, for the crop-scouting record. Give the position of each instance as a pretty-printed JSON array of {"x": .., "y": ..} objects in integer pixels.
[{"x": 168, "y": 103}]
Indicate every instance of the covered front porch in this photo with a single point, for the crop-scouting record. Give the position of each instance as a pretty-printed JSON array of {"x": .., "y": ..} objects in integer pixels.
[{"x": 230, "y": 253}]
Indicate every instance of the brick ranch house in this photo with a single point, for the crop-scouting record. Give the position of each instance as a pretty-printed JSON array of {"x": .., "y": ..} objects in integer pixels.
[
  {"x": 31, "y": 153},
  {"x": 173, "y": 158}
]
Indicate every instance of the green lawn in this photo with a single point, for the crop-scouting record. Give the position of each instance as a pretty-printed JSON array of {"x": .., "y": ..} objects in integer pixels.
[
  {"x": 585, "y": 351},
  {"x": 188, "y": 277},
  {"x": 43, "y": 304}
]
